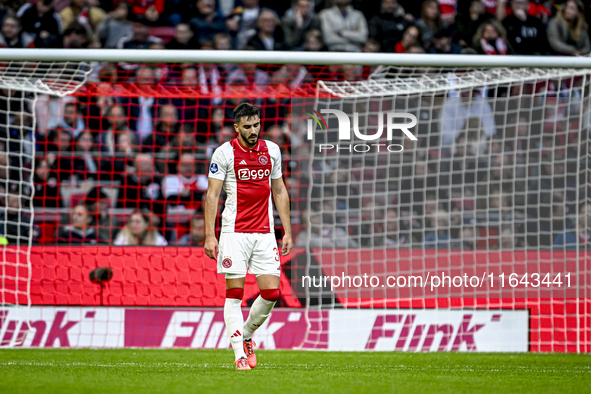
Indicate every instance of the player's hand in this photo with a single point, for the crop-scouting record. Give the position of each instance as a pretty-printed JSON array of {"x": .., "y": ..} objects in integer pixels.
[
  {"x": 286, "y": 248},
  {"x": 211, "y": 247}
]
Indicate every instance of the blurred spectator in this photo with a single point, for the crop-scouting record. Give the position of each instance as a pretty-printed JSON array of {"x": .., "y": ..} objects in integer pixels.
[
  {"x": 40, "y": 21},
  {"x": 387, "y": 27},
  {"x": 468, "y": 238},
  {"x": 344, "y": 29},
  {"x": 188, "y": 107},
  {"x": 149, "y": 10},
  {"x": 195, "y": 237},
  {"x": 178, "y": 11},
  {"x": 167, "y": 128},
  {"x": 509, "y": 240},
  {"x": 115, "y": 26},
  {"x": 59, "y": 141},
  {"x": 84, "y": 12},
  {"x": 457, "y": 109},
  {"x": 410, "y": 38},
  {"x": 468, "y": 23},
  {"x": 207, "y": 23},
  {"x": 60, "y": 157},
  {"x": 222, "y": 42},
  {"x": 17, "y": 138},
  {"x": 491, "y": 39},
  {"x": 47, "y": 187},
  {"x": 313, "y": 41},
  {"x": 323, "y": 235},
  {"x": 48, "y": 113},
  {"x": 395, "y": 238},
  {"x": 140, "y": 188},
  {"x": 117, "y": 120},
  {"x": 448, "y": 11},
  {"x": 85, "y": 161},
  {"x": 416, "y": 48},
  {"x": 430, "y": 21},
  {"x": 412, "y": 196},
  {"x": 186, "y": 187},
  {"x": 11, "y": 6},
  {"x": 371, "y": 46},
  {"x": 12, "y": 35},
  {"x": 536, "y": 8},
  {"x": 72, "y": 122},
  {"x": 567, "y": 31},
  {"x": 139, "y": 38},
  {"x": 443, "y": 44},
  {"x": 438, "y": 236},
  {"x": 14, "y": 222},
  {"x": 81, "y": 229},
  {"x": 297, "y": 21},
  {"x": 6, "y": 180},
  {"x": 139, "y": 230},
  {"x": 126, "y": 149},
  {"x": 570, "y": 240},
  {"x": 141, "y": 110},
  {"x": 242, "y": 19},
  {"x": 183, "y": 38},
  {"x": 98, "y": 110},
  {"x": 75, "y": 37},
  {"x": 248, "y": 75},
  {"x": 268, "y": 36},
  {"x": 98, "y": 205},
  {"x": 525, "y": 33}
]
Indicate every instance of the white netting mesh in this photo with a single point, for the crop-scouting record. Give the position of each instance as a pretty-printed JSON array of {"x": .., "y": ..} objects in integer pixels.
[
  {"x": 20, "y": 83},
  {"x": 53, "y": 78},
  {"x": 500, "y": 167}
]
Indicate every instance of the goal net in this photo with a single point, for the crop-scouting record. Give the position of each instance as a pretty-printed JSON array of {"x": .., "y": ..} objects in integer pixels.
[
  {"x": 445, "y": 206},
  {"x": 433, "y": 208},
  {"x": 21, "y": 83}
]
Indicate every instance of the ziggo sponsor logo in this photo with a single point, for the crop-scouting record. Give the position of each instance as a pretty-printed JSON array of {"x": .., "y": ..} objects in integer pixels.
[{"x": 244, "y": 174}]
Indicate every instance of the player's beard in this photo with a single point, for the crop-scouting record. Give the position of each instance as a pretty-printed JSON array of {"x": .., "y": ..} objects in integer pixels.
[{"x": 246, "y": 136}]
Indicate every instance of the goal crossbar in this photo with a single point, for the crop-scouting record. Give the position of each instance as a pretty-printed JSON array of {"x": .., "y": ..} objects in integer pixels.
[{"x": 283, "y": 57}]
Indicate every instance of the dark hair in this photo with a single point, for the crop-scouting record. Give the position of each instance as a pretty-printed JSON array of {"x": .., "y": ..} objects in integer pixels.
[
  {"x": 76, "y": 28},
  {"x": 12, "y": 15},
  {"x": 246, "y": 110}
]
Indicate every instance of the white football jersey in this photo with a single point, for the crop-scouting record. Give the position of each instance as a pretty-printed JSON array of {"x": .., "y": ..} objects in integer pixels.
[{"x": 247, "y": 175}]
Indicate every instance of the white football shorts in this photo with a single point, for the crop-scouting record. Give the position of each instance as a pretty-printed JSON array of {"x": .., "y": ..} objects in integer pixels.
[{"x": 256, "y": 252}]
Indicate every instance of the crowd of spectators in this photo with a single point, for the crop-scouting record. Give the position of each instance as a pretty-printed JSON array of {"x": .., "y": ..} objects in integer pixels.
[{"x": 492, "y": 27}]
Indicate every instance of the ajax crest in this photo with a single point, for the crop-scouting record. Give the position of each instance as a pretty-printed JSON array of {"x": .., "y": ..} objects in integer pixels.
[
  {"x": 263, "y": 160},
  {"x": 227, "y": 263}
]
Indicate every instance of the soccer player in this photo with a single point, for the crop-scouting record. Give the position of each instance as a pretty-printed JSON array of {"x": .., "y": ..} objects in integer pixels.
[{"x": 249, "y": 170}]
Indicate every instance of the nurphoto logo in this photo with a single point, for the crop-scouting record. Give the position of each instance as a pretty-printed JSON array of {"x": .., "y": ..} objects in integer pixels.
[{"x": 344, "y": 131}]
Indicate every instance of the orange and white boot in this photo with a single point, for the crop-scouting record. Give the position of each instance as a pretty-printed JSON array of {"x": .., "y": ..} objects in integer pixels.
[
  {"x": 249, "y": 350},
  {"x": 242, "y": 364}
]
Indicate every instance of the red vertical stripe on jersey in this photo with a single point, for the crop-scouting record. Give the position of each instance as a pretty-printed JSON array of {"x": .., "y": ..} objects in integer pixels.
[{"x": 253, "y": 172}]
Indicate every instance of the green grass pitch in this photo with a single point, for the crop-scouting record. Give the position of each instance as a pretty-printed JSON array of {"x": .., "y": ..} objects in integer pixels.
[{"x": 211, "y": 371}]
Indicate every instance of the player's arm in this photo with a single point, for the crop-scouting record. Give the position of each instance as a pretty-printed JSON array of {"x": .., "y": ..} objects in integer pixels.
[
  {"x": 282, "y": 203},
  {"x": 212, "y": 199}
]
